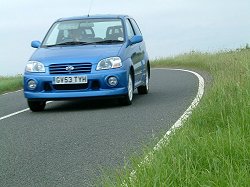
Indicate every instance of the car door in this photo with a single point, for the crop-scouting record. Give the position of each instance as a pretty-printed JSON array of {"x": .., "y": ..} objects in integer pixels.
[
  {"x": 142, "y": 47},
  {"x": 134, "y": 52}
]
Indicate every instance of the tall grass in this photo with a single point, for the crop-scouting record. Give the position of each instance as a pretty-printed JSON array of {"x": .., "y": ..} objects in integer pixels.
[
  {"x": 8, "y": 84},
  {"x": 213, "y": 146}
]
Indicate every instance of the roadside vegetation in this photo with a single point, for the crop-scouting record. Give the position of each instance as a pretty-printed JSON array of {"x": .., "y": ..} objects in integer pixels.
[
  {"x": 10, "y": 83},
  {"x": 213, "y": 146}
]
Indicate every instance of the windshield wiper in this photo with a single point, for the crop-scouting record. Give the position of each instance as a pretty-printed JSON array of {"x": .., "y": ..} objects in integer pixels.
[
  {"x": 68, "y": 43},
  {"x": 108, "y": 41},
  {"x": 84, "y": 43}
]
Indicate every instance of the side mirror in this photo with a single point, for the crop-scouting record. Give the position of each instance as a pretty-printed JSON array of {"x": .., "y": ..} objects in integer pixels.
[
  {"x": 35, "y": 44},
  {"x": 135, "y": 39}
]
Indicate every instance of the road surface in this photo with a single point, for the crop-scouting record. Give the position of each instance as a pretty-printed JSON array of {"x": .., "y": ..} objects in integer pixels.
[{"x": 72, "y": 142}]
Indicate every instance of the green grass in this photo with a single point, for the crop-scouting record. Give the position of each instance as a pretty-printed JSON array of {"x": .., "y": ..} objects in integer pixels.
[
  {"x": 8, "y": 84},
  {"x": 213, "y": 146}
]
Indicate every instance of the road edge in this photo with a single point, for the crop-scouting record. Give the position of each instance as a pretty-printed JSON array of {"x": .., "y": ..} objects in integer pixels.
[
  {"x": 11, "y": 92},
  {"x": 188, "y": 111},
  {"x": 178, "y": 124}
]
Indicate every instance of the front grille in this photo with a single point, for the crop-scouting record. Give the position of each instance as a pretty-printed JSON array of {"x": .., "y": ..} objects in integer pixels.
[
  {"x": 70, "y": 86},
  {"x": 70, "y": 68}
]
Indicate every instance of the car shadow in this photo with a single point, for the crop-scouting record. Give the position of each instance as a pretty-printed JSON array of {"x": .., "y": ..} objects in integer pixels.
[{"x": 82, "y": 104}]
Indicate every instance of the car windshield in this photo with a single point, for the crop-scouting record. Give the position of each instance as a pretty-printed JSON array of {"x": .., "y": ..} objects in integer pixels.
[{"x": 84, "y": 32}]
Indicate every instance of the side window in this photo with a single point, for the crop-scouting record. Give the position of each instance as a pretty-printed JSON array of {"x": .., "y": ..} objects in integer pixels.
[
  {"x": 136, "y": 28},
  {"x": 129, "y": 29}
]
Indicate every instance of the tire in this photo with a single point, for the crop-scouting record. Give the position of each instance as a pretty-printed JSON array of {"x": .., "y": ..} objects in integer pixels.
[
  {"x": 145, "y": 88},
  {"x": 127, "y": 99},
  {"x": 36, "y": 106}
]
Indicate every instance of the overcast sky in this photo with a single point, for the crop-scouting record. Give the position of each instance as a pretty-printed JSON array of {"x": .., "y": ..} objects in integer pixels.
[{"x": 170, "y": 27}]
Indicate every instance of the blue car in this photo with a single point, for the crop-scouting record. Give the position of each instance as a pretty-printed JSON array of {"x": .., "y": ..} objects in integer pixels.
[{"x": 88, "y": 57}]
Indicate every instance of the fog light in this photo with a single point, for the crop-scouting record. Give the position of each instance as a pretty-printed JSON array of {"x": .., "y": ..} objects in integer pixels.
[
  {"x": 112, "y": 81},
  {"x": 32, "y": 84}
]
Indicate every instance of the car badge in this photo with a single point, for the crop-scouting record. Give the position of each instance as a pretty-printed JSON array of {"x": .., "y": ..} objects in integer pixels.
[{"x": 70, "y": 68}]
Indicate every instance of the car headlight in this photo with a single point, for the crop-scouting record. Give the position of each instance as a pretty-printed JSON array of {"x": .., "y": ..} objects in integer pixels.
[
  {"x": 35, "y": 67},
  {"x": 109, "y": 63}
]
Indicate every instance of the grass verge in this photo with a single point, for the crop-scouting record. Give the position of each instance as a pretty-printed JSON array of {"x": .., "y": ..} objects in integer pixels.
[
  {"x": 8, "y": 84},
  {"x": 213, "y": 147}
]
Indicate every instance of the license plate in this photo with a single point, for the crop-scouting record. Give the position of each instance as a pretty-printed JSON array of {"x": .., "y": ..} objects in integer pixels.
[{"x": 70, "y": 80}]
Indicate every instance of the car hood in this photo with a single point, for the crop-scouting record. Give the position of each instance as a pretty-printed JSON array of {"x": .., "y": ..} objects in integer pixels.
[{"x": 75, "y": 54}]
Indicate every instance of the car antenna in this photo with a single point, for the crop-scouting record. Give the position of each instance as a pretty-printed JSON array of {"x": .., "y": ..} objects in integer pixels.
[{"x": 90, "y": 6}]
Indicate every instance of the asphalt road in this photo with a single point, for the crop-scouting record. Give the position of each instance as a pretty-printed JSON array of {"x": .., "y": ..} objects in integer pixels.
[{"x": 71, "y": 142}]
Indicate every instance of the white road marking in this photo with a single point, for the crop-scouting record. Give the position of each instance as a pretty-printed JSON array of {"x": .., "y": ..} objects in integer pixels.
[
  {"x": 19, "y": 112},
  {"x": 187, "y": 113},
  {"x": 12, "y": 92},
  {"x": 13, "y": 114},
  {"x": 178, "y": 123}
]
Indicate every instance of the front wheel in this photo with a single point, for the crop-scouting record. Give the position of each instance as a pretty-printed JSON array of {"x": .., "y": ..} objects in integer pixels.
[
  {"x": 127, "y": 100},
  {"x": 36, "y": 106},
  {"x": 145, "y": 88}
]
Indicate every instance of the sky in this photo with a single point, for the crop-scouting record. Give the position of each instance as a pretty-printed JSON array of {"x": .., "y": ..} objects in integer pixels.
[{"x": 169, "y": 27}]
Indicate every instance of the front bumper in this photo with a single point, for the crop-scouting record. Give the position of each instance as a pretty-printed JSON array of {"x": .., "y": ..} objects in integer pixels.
[{"x": 97, "y": 86}]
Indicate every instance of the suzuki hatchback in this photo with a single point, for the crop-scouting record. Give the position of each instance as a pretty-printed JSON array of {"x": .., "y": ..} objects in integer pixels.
[{"x": 88, "y": 57}]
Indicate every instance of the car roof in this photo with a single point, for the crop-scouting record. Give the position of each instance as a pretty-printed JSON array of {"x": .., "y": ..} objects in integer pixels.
[{"x": 109, "y": 16}]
